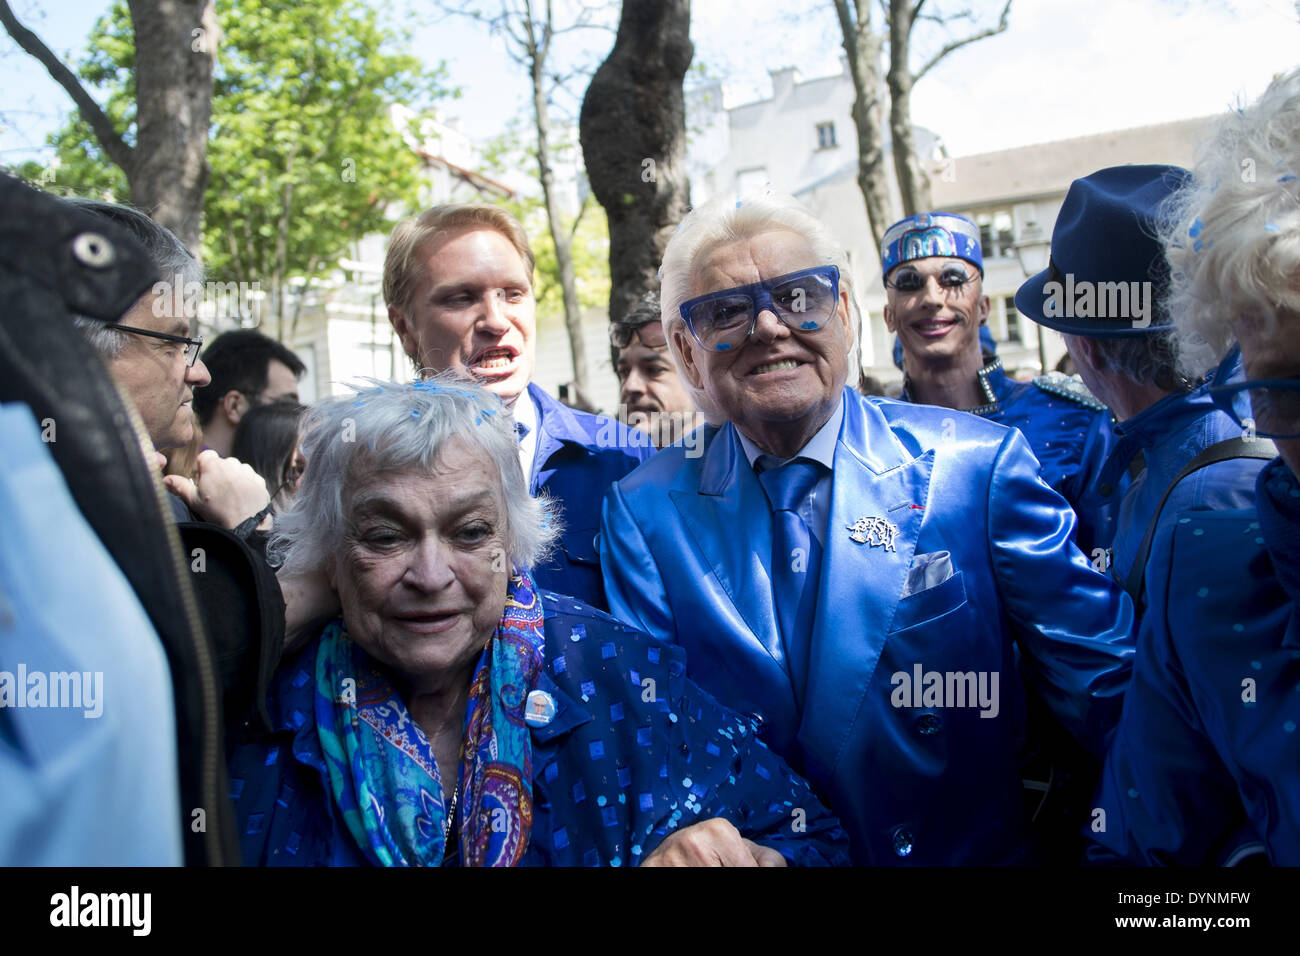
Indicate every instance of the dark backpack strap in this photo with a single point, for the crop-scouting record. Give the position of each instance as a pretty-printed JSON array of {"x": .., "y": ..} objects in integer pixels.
[{"x": 1225, "y": 450}]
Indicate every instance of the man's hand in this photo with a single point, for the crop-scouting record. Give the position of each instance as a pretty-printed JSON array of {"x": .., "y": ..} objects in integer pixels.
[
  {"x": 711, "y": 843},
  {"x": 226, "y": 491},
  {"x": 309, "y": 601}
]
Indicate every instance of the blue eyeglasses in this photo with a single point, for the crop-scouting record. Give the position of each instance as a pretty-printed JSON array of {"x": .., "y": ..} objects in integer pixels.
[
  {"x": 1266, "y": 407},
  {"x": 803, "y": 301}
]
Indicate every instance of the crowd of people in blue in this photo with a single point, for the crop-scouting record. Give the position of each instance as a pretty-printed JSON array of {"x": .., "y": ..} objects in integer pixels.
[{"x": 459, "y": 623}]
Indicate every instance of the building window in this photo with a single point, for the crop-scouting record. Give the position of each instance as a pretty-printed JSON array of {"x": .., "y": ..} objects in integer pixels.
[
  {"x": 1013, "y": 320},
  {"x": 826, "y": 136},
  {"x": 997, "y": 234}
]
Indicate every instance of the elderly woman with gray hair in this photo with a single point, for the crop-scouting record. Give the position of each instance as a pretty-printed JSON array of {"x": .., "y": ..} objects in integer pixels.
[
  {"x": 1204, "y": 768},
  {"x": 453, "y": 714}
]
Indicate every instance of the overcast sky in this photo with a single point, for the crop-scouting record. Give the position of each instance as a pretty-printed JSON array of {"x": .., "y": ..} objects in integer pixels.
[{"x": 1062, "y": 69}]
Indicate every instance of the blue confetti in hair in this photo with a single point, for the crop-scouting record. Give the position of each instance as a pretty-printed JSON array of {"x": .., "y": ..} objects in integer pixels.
[
  {"x": 1197, "y": 226},
  {"x": 1287, "y": 178},
  {"x": 1271, "y": 227}
]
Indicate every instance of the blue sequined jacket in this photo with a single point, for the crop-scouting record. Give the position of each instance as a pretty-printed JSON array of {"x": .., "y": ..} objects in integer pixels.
[
  {"x": 980, "y": 578},
  {"x": 635, "y": 751},
  {"x": 1205, "y": 768}
]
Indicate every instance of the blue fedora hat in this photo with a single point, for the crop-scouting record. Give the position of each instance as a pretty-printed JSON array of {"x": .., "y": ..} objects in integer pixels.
[{"x": 1107, "y": 275}]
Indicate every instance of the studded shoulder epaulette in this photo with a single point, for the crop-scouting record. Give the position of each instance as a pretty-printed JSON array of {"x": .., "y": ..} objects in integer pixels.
[{"x": 1071, "y": 387}]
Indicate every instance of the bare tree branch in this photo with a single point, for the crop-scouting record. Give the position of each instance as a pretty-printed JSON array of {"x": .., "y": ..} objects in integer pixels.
[
  {"x": 958, "y": 44},
  {"x": 109, "y": 138}
]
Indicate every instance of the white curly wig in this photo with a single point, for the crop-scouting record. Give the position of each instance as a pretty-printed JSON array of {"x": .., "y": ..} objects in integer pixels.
[{"x": 1234, "y": 240}]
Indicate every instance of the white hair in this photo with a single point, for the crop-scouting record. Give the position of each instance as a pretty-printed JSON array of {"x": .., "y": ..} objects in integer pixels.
[
  {"x": 392, "y": 427},
  {"x": 1234, "y": 240},
  {"x": 719, "y": 222}
]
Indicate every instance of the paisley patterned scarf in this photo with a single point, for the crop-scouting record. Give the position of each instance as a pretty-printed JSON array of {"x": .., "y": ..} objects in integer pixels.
[{"x": 382, "y": 771}]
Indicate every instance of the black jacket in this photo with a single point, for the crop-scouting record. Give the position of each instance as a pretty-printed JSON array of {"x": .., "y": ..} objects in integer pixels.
[{"x": 56, "y": 261}]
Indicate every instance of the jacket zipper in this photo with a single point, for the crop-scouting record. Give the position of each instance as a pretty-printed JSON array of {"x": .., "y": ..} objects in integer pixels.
[{"x": 207, "y": 679}]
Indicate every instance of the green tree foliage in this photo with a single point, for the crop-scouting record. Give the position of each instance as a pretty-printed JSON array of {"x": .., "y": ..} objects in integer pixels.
[{"x": 305, "y": 159}]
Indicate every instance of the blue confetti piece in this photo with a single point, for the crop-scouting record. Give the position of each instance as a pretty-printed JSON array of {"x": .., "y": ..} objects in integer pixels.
[
  {"x": 724, "y": 347},
  {"x": 1197, "y": 227},
  {"x": 1271, "y": 227},
  {"x": 808, "y": 325},
  {"x": 1289, "y": 177},
  {"x": 601, "y": 800}
]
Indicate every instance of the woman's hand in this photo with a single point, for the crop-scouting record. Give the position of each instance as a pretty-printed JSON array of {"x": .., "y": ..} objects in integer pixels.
[
  {"x": 711, "y": 843},
  {"x": 225, "y": 491}
]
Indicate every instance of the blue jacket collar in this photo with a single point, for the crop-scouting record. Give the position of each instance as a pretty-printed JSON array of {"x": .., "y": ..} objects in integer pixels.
[
  {"x": 557, "y": 426},
  {"x": 1155, "y": 425}
]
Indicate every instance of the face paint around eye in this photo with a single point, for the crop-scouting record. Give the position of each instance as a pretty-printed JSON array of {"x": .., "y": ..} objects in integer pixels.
[{"x": 953, "y": 277}]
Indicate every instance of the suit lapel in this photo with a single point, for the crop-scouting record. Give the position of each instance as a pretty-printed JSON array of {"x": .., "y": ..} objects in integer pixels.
[
  {"x": 861, "y": 584},
  {"x": 731, "y": 523}
]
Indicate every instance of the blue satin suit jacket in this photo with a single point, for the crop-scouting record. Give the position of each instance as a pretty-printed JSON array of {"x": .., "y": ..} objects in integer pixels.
[
  {"x": 1205, "y": 768},
  {"x": 686, "y": 549},
  {"x": 578, "y": 456}
]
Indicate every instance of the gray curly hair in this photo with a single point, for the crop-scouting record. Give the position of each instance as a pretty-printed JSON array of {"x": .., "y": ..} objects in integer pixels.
[
  {"x": 1234, "y": 243},
  {"x": 392, "y": 427}
]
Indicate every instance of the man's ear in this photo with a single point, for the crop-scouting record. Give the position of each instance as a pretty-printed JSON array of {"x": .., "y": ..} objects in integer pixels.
[
  {"x": 402, "y": 326},
  {"x": 889, "y": 318},
  {"x": 985, "y": 307},
  {"x": 686, "y": 348},
  {"x": 233, "y": 405}
]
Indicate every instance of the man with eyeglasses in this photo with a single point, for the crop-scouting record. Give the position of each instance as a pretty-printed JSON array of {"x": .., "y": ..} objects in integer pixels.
[
  {"x": 832, "y": 562},
  {"x": 155, "y": 361},
  {"x": 933, "y": 271},
  {"x": 651, "y": 396},
  {"x": 1104, "y": 290}
]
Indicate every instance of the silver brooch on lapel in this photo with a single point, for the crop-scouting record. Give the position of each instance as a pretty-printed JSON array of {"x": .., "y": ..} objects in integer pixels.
[{"x": 874, "y": 532}]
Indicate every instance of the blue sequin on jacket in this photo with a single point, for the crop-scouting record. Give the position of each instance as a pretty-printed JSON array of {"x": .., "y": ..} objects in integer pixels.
[{"x": 635, "y": 752}]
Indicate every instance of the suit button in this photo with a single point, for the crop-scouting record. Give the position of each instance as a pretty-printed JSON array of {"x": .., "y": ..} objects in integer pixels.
[
  {"x": 928, "y": 724},
  {"x": 902, "y": 840}
]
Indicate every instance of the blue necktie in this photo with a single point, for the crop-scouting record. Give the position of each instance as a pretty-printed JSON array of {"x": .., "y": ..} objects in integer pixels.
[{"x": 796, "y": 559}]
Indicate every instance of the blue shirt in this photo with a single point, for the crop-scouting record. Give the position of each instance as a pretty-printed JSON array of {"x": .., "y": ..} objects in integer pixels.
[
  {"x": 577, "y": 457},
  {"x": 635, "y": 752},
  {"x": 94, "y": 780}
]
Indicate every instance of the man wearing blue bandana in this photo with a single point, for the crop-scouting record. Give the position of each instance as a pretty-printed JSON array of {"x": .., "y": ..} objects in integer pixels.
[
  {"x": 933, "y": 272},
  {"x": 860, "y": 575}
]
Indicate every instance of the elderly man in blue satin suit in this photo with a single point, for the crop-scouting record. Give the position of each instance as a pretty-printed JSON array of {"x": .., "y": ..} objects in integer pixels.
[{"x": 859, "y": 575}]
